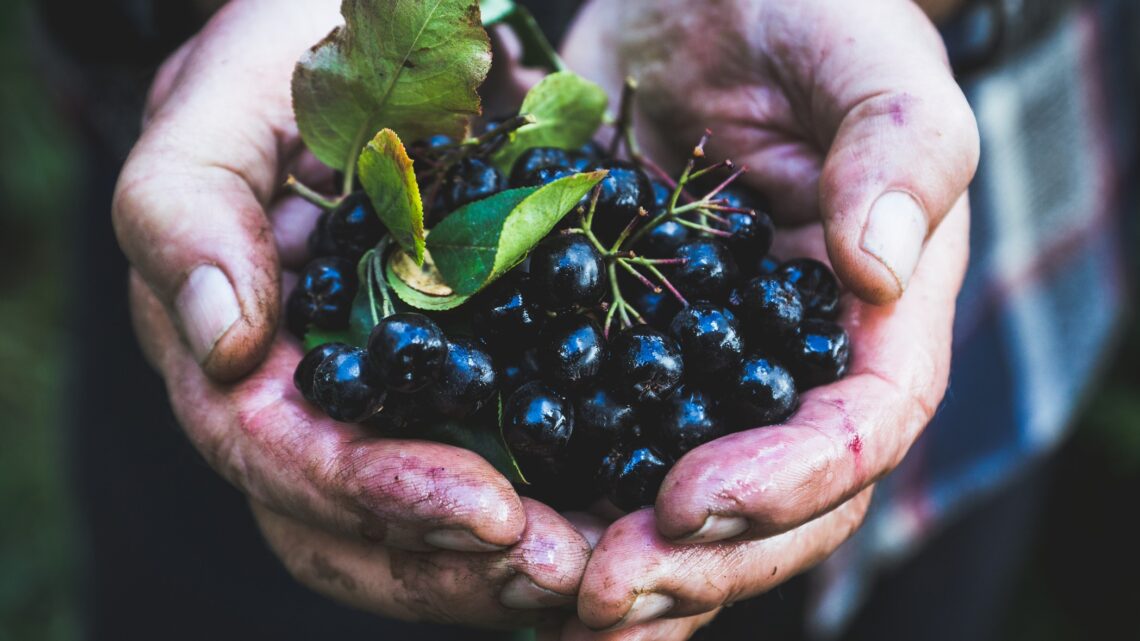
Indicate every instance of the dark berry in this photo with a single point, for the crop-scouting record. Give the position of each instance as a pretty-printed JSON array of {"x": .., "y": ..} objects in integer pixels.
[
  {"x": 320, "y": 243},
  {"x": 566, "y": 272},
  {"x": 469, "y": 180},
  {"x": 571, "y": 350},
  {"x": 307, "y": 368},
  {"x": 644, "y": 365},
  {"x": 537, "y": 424},
  {"x": 399, "y": 416},
  {"x": 818, "y": 354},
  {"x": 658, "y": 308},
  {"x": 353, "y": 226},
  {"x": 664, "y": 240},
  {"x": 466, "y": 382},
  {"x": 686, "y": 420},
  {"x": 535, "y": 158},
  {"x": 758, "y": 392},
  {"x": 624, "y": 192},
  {"x": 767, "y": 265},
  {"x": 592, "y": 151},
  {"x": 709, "y": 336},
  {"x": 345, "y": 388},
  {"x": 407, "y": 351},
  {"x": 709, "y": 270},
  {"x": 751, "y": 235},
  {"x": 816, "y": 284},
  {"x": 662, "y": 194},
  {"x": 323, "y": 296},
  {"x": 519, "y": 370},
  {"x": 771, "y": 307},
  {"x": 637, "y": 478},
  {"x": 602, "y": 420},
  {"x": 543, "y": 176},
  {"x": 506, "y": 315}
]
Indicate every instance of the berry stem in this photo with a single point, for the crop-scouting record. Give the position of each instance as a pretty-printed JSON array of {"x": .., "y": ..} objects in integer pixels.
[
  {"x": 623, "y": 132},
  {"x": 704, "y": 228},
  {"x": 638, "y": 275},
  {"x": 625, "y": 233},
  {"x": 505, "y": 129},
  {"x": 537, "y": 50},
  {"x": 664, "y": 281},
  {"x": 309, "y": 194}
]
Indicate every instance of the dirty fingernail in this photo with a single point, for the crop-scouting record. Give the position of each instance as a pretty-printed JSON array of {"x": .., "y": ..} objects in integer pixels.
[
  {"x": 207, "y": 307},
  {"x": 646, "y": 607},
  {"x": 717, "y": 528},
  {"x": 894, "y": 233},
  {"x": 520, "y": 593},
  {"x": 460, "y": 541}
]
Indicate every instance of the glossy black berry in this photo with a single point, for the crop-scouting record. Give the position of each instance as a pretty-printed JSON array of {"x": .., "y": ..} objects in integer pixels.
[
  {"x": 686, "y": 420},
  {"x": 751, "y": 235},
  {"x": 517, "y": 370},
  {"x": 592, "y": 151},
  {"x": 537, "y": 424},
  {"x": 771, "y": 308},
  {"x": 543, "y": 176},
  {"x": 467, "y": 380},
  {"x": 323, "y": 296},
  {"x": 307, "y": 368},
  {"x": 566, "y": 272},
  {"x": 644, "y": 365},
  {"x": 571, "y": 350},
  {"x": 353, "y": 226},
  {"x": 759, "y": 391},
  {"x": 345, "y": 388},
  {"x": 534, "y": 159},
  {"x": 636, "y": 478},
  {"x": 662, "y": 194},
  {"x": 818, "y": 354},
  {"x": 506, "y": 315},
  {"x": 658, "y": 308},
  {"x": 816, "y": 284},
  {"x": 469, "y": 180},
  {"x": 710, "y": 337},
  {"x": 624, "y": 192},
  {"x": 664, "y": 240},
  {"x": 320, "y": 243},
  {"x": 708, "y": 273},
  {"x": 601, "y": 419},
  {"x": 407, "y": 351}
]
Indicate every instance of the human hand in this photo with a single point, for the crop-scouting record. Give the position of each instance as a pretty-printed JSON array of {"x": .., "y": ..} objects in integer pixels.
[
  {"x": 856, "y": 132},
  {"x": 407, "y": 529}
]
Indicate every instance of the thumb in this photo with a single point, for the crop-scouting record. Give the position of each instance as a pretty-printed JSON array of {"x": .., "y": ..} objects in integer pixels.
[
  {"x": 905, "y": 150},
  {"x": 188, "y": 208}
]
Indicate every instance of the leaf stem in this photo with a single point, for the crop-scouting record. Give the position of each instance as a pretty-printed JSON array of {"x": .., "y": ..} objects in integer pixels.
[
  {"x": 309, "y": 194},
  {"x": 623, "y": 128},
  {"x": 537, "y": 50}
]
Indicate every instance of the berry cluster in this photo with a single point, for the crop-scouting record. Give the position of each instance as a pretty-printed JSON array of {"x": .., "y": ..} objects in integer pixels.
[{"x": 655, "y": 324}]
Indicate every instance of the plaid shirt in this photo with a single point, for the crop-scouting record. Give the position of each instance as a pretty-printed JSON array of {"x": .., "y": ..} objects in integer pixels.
[{"x": 1043, "y": 297}]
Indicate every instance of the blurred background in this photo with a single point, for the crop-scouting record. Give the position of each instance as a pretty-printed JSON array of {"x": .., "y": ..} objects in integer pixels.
[{"x": 1079, "y": 581}]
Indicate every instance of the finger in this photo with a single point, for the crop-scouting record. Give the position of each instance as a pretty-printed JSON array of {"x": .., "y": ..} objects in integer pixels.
[
  {"x": 845, "y": 435},
  {"x": 636, "y": 576},
  {"x": 265, "y": 439},
  {"x": 533, "y": 583},
  {"x": 658, "y": 630},
  {"x": 188, "y": 207}
]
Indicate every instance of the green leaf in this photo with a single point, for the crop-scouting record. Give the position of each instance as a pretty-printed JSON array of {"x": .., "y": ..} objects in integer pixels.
[
  {"x": 480, "y": 434},
  {"x": 388, "y": 178},
  {"x": 421, "y": 286},
  {"x": 483, "y": 240},
  {"x": 567, "y": 108},
  {"x": 315, "y": 337},
  {"x": 412, "y": 66},
  {"x": 494, "y": 11}
]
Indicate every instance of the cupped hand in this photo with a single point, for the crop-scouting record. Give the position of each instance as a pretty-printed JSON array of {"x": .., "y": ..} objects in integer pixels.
[
  {"x": 408, "y": 529},
  {"x": 854, "y": 130}
]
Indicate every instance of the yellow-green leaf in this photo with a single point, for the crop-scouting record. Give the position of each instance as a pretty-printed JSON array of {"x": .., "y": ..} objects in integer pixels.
[
  {"x": 386, "y": 172},
  {"x": 567, "y": 108}
]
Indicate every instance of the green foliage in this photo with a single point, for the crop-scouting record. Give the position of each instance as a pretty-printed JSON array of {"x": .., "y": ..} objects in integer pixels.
[
  {"x": 421, "y": 286},
  {"x": 483, "y": 240},
  {"x": 412, "y": 66},
  {"x": 388, "y": 178},
  {"x": 567, "y": 108},
  {"x": 480, "y": 434},
  {"x": 495, "y": 11}
]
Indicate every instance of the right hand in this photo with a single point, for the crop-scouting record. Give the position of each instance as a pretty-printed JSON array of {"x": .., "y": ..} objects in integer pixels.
[{"x": 407, "y": 529}]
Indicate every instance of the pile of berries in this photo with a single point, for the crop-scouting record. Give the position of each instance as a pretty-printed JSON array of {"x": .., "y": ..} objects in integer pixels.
[{"x": 604, "y": 366}]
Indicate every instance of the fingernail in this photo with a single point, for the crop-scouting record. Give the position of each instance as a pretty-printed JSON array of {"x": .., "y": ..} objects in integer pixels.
[
  {"x": 646, "y": 607},
  {"x": 460, "y": 541},
  {"x": 520, "y": 593},
  {"x": 717, "y": 528},
  {"x": 895, "y": 231},
  {"x": 207, "y": 307}
]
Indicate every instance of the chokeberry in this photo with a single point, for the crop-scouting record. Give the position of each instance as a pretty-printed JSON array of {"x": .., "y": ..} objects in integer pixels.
[
  {"x": 320, "y": 242},
  {"x": 517, "y": 370},
  {"x": 323, "y": 296},
  {"x": 467, "y": 380},
  {"x": 708, "y": 271},
  {"x": 709, "y": 336},
  {"x": 571, "y": 350},
  {"x": 751, "y": 236},
  {"x": 759, "y": 392},
  {"x": 543, "y": 176},
  {"x": 771, "y": 307},
  {"x": 664, "y": 240},
  {"x": 353, "y": 226},
  {"x": 816, "y": 284},
  {"x": 345, "y": 388},
  {"x": 307, "y": 368},
  {"x": 537, "y": 424},
  {"x": 535, "y": 158},
  {"x": 644, "y": 365},
  {"x": 624, "y": 192},
  {"x": 399, "y": 416},
  {"x": 506, "y": 315},
  {"x": 469, "y": 180},
  {"x": 601, "y": 420},
  {"x": 818, "y": 353},
  {"x": 407, "y": 351},
  {"x": 657, "y": 308},
  {"x": 567, "y": 271},
  {"x": 592, "y": 151},
  {"x": 685, "y": 420},
  {"x": 637, "y": 476},
  {"x": 662, "y": 194}
]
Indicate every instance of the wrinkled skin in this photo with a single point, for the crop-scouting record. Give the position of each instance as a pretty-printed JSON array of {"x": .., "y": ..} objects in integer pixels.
[{"x": 829, "y": 112}]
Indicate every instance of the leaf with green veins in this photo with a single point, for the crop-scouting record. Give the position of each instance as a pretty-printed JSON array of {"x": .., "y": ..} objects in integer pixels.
[
  {"x": 567, "y": 109},
  {"x": 390, "y": 182},
  {"x": 412, "y": 66},
  {"x": 483, "y": 240},
  {"x": 421, "y": 286},
  {"x": 494, "y": 11}
]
